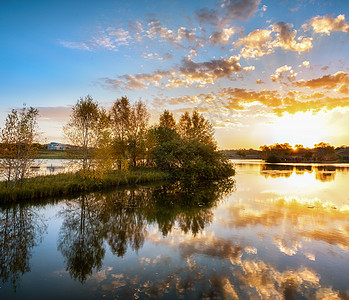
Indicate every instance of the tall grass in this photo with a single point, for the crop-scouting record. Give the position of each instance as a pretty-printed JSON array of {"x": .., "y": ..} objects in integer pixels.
[{"x": 70, "y": 183}]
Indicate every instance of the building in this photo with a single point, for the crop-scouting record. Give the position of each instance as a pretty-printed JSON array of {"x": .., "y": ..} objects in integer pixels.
[{"x": 56, "y": 146}]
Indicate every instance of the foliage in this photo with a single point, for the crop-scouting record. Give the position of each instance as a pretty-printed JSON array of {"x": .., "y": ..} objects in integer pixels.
[
  {"x": 129, "y": 125},
  {"x": 278, "y": 150},
  {"x": 272, "y": 158},
  {"x": 241, "y": 153},
  {"x": 324, "y": 151},
  {"x": 87, "y": 131},
  {"x": 189, "y": 152},
  {"x": 18, "y": 149}
]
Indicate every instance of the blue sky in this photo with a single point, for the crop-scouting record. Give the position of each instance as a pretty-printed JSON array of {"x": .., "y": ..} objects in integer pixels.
[{"x": 261, "y": 71}]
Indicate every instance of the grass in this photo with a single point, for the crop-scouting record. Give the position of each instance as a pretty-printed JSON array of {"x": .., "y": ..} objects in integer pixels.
[
  {"x": 51, "y": 154},
  {"x": 72, "y": 183}
]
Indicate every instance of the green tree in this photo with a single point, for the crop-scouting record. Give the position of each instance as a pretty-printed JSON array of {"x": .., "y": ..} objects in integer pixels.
[
  {"x": 196, "y": 127},
  {"x": 129, "y": 130},
  {"x": 120, "y": 115},
  {"x": 138, "y": 132},
  {"x": 85, "y": 130},
  {"x": 189, "y": 152},
  {"x": 18, "y": 139}
]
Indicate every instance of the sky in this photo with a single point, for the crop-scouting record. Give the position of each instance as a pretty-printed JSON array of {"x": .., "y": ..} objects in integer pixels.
[{"x": 262, "y": 72}]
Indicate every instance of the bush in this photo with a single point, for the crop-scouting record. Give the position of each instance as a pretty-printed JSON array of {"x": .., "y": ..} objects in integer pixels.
[{"x": 273, "y": 159}]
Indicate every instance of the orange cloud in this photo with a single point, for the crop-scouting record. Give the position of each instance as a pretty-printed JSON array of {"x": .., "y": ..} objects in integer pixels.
[{"x": 338, "y": 81}]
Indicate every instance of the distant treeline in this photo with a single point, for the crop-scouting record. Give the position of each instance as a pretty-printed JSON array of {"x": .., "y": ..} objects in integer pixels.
[{"x": 285, "y": 152}]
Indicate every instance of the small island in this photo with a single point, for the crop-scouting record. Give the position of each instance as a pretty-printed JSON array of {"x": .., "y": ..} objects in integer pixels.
[{"x": 109, "y": 148}]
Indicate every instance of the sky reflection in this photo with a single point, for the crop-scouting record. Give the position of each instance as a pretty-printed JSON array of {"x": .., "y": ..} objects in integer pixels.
[{"x": 266, "y": 236}]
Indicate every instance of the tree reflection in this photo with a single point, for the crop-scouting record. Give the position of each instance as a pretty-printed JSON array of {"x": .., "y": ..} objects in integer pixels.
[
  {"x": 189, "y": 205},
  {"x": 81, "y": 237},
  {"x": 21, "y": 228},
  {"x": 323, "y": 173},
  {"x": 121, "y": 218}
]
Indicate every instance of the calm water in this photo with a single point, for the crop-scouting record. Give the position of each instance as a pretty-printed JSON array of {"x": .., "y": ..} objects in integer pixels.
[{"x": 277, "y": 232}]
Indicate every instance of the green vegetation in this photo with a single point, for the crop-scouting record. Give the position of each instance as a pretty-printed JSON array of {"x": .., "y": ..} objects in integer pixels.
[
  {"x": 51, "y": 154},
  {"x": 18, "y": 147},
  {"x": 322, "y": 152},
  {"x": 105, "y": 144},
  {"x": 70, "y": 183},
  {"x": 188, "y": 150}
]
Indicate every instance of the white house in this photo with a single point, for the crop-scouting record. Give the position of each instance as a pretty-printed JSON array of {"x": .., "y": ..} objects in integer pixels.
[{"x": 56, "y": 146}]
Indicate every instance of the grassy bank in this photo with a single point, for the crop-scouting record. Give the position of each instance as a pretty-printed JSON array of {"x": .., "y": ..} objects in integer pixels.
[
  {"x": 70, "y": 183},
  {"x": 52, "y": 154}
]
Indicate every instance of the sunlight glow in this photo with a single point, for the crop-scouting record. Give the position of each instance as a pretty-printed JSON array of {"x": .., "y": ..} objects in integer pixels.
[{"x": 301, "y": 128}]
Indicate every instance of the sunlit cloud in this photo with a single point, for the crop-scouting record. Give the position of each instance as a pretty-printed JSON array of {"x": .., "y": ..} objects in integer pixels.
[
  {"x": 222, "y": 37},
  {"x": 280, "y": 74},
  {"x": 338, "y": 82},
  {"x": 328, "y": 24},
  {"x": 262, "y": 42},
  {"x": 188, "y": 74},
  {"x": 285, "y": 38}
]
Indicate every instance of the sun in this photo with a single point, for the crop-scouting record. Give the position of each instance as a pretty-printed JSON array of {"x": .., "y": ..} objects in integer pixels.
[{"x": 301, "y": 128}]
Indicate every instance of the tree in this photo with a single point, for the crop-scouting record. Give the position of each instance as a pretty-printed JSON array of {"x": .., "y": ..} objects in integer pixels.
[
  {"x": 324, "y": 151},
  {"x": 129, "y": 130},
  {"x": 196, "y": 127},
  {"x": 167, "y": 120},
  {"x": 18, "y": 149},
  {"x": 120, "y": 124},
  {"x": 85, "y": 130},
  {"x": 190, "y": 151},
  {"x": 139, "y": 118}
]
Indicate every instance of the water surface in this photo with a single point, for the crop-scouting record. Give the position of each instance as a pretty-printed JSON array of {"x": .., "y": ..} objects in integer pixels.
[{"x": 278, "y": 231}]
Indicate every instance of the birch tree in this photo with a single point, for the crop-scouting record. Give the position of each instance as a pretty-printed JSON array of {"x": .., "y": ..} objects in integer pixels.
[
  {"x": 85, "y": 130},
  {"x": 18, "y": 149}
]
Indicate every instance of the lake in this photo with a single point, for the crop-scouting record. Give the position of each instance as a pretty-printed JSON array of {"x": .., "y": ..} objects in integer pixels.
[{"x": 274, "y": 231}]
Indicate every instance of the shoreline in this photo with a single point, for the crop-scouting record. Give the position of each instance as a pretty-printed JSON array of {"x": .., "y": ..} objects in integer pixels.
[{"x": 65, "y": 184}]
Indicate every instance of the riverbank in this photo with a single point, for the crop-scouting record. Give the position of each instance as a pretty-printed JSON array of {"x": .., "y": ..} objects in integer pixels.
[{"x": 70, "y": 183}]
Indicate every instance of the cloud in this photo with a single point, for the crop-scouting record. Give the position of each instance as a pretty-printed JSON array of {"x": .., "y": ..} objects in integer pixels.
[
  {"x": 222, "y": 36},
  {"x": 228, "y": 11},
  {"x": 157, "y": 30},
  {"x": 189, "y": 73},
  {"x": 279, "y": 74},
  {"x": 262, "y": 42},
  {"x": 132, "y": 82},
  {"x": 76, "y": 45},
  {"x": 237, "y": 99},
  {"x": 256, "y": 44},
  {"x": 207, "y": 15},
  {"x": 305, "y": 64},
  {"x": 110, "y": 39},
  {"x": 285, "y": 38},
  {"x": 239, "y": 9},
  {"x": 328, "y": 24},
  {"x": 338, "y": 81},
  {"x": 207, "y": 72},
  {"x": 240, "y": 97},
  {"x": 120, "y": 36}
]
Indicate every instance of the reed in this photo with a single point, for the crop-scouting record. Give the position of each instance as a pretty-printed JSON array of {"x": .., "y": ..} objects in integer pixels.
[{"x": 71, "y": 183}]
